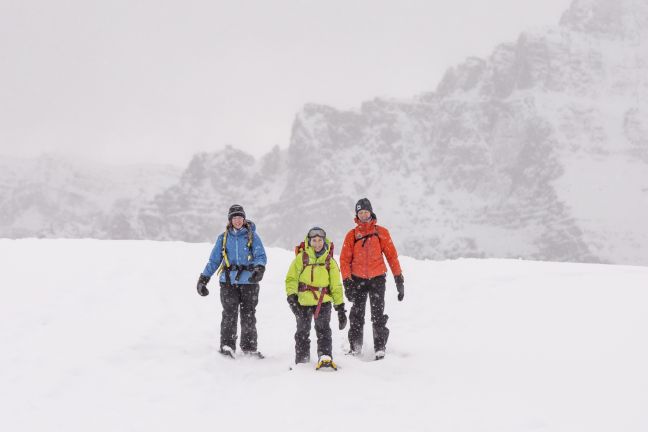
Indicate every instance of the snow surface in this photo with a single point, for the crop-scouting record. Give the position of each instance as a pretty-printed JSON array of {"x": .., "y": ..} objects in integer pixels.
[{"x": 112, "y": 336}]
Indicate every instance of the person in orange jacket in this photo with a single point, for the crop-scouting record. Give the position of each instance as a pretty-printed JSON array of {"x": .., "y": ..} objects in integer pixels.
[{"x": 364, "y": 275}]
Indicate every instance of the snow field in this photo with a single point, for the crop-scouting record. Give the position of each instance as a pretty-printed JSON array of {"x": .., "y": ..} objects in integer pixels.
[{"x": 112, "y": 336}]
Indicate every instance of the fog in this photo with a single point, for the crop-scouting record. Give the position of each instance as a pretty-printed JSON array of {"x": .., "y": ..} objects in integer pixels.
[{"x": 157, "y": 81}]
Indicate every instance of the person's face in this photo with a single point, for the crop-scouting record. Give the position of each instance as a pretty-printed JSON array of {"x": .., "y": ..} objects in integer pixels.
[
  {"x": 238, "y": 221},
  {"x": 317, "y": 243},
  {"x": 364, "y": 215}
]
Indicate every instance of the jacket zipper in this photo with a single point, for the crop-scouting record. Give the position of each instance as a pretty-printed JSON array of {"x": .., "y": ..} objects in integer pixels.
[{"x": 367, "y": 259}]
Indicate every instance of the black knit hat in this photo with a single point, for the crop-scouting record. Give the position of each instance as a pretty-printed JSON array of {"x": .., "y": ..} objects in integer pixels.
[
  {"x": 235, "y": 210},
  {"x": 363, "y": 204}
]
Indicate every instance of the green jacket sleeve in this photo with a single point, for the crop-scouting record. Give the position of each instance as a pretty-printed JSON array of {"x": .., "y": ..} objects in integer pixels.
[
  {"x": 336, "y": 283},
  {"x": 292, "y": 278}
]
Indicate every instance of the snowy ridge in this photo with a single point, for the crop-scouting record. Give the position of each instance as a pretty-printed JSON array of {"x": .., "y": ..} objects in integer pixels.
[{"x": 111, "y": 335}]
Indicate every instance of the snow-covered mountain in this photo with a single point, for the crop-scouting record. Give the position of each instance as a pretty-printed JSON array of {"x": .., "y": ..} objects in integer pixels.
[
  {"x": 195, "y": 209},
  {"x": 52, "y": 196},
  {"x": 538, "y": 151}
]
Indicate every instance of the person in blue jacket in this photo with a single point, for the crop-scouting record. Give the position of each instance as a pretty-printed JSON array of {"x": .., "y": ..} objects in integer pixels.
[{"x": 240, "y": 258}]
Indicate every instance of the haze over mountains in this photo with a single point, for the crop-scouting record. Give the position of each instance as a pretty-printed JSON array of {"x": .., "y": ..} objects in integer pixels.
[{"x": 539, "y": 151}]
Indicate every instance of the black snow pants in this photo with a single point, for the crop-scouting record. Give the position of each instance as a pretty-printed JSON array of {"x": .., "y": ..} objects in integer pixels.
[
  {"x": 373, "y": 288},
  {"x": 304, "y": 315},
  {"x": 233, "y": 297}
]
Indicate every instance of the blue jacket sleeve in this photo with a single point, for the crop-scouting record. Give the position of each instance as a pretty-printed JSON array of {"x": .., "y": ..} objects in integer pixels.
[
  {"x": 258, "y": 251},
  {"x": 215, "y": 258}
]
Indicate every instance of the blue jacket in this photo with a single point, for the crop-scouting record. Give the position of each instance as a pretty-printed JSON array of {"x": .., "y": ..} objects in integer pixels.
[{"x": 237, "y": 254}]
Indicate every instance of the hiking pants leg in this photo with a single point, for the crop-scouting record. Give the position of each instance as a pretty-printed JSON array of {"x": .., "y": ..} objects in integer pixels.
[
  {"x": 323, "y": 331},
  {"x": 230, "y": 298},
  {"x": 249, "y": 301},
  {"x": 357, "y": 315},
  {"x": 378, "y": 318},
  {"x": 302, "y": 335}
]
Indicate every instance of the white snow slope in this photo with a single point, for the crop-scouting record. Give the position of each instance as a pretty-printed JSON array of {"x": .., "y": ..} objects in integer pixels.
[{"x": 112, "y": 336}]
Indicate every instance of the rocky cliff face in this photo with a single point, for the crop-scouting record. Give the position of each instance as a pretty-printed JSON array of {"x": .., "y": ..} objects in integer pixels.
[{"x": 539, "y": 151}]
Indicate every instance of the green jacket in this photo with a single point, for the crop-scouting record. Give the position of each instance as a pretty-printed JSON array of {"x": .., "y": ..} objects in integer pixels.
[{"x": 314, "y": 274}]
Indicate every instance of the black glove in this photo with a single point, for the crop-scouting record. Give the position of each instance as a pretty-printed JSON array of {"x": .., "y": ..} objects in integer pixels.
[
  {"x": 293, "y": 302},
  {"x": 349, "y": 289},
  {"x": 400, "y": 286},
  {"x": 257, "y": 274},
  {"x": 342, "y": 318},
  {"x": 202, "y": 285}
]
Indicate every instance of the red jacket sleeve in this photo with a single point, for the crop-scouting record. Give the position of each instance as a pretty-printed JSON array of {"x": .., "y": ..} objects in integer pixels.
[
  {"x": 346, "y": 255},
  {"x": 389, "y": 250}
]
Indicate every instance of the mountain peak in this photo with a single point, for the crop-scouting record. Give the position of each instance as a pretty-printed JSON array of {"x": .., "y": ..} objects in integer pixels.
[{"x": 623, "y": 18}]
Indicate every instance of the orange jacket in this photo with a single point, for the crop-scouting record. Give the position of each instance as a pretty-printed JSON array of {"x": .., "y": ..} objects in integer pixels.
[{"x": 363, "y": 249}]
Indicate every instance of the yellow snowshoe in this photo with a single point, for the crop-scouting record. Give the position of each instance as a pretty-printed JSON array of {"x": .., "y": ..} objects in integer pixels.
[{"x": 325, "y": 362}]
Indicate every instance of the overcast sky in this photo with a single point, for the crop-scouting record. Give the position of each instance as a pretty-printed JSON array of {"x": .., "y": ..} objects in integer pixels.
[{"x": 158, "y": 80}]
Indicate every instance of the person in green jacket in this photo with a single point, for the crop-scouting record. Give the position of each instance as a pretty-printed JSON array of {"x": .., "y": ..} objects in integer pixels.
[{"x": 313, "y": 282}]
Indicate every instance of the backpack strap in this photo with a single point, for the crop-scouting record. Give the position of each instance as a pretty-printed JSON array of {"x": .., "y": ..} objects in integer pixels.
[
  {"x": 224, "y": 248},
  {"x": 225, "y": 263},
  {"x": 327, "y": 261},
  {"x": 366, "y": 236},
  {"x": 305, "y": 259},
  {"x": 250, "y": 240},
  {"x": 318, "y": 294}
]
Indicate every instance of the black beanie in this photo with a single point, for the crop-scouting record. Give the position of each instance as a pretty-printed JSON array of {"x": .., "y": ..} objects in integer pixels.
[
  {"x": 363, "y": 204},
  {"x": 235, "y": 210}
]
